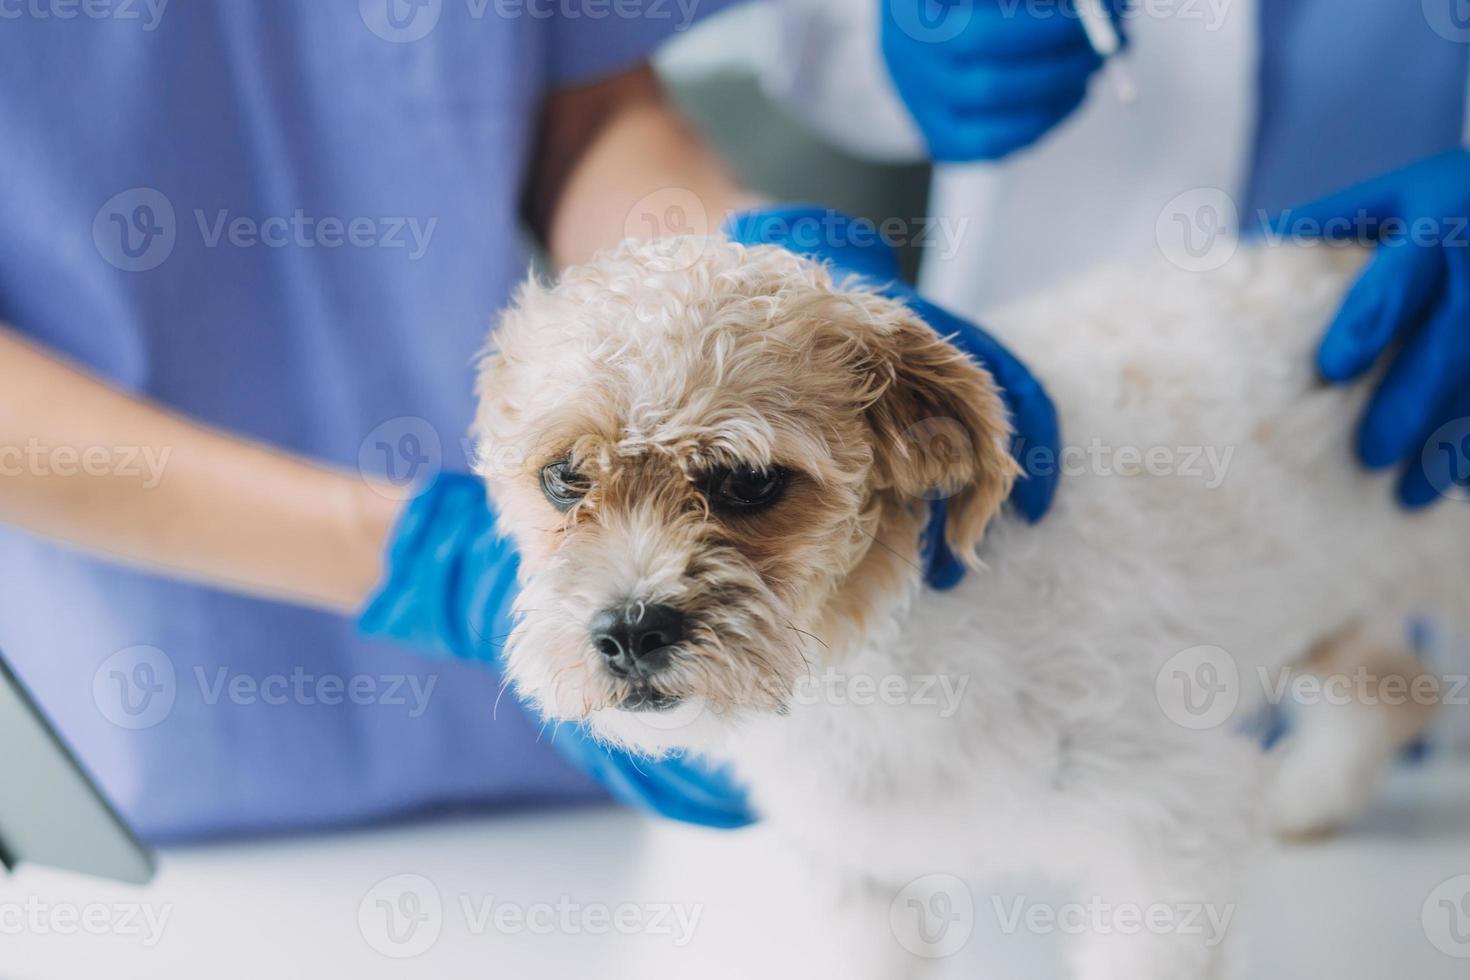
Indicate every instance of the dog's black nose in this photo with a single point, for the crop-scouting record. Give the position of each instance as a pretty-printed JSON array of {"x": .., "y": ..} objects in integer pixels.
[{"x": 637, "y": 639}]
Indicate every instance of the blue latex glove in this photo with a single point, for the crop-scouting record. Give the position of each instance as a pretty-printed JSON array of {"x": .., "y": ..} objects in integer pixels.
[
  {"x": 1413, "y": 297},
  {"x": 984, "y": 78},
  {"x": 852, "y": 245},
  {"x": 450, "y": 584}
]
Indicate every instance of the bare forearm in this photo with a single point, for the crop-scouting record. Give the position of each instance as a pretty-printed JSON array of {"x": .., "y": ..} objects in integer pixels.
[
  {"x": 617, "y": 161},
  {"x": 121, "y": 477}
]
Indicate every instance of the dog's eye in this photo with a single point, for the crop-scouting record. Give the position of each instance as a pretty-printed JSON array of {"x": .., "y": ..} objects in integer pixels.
[
  {"x": 562, "y": 485},
  {"x": 745, "y": 488}
]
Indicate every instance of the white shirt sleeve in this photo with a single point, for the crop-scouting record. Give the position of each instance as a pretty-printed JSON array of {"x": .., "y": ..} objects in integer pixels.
[{"x": 826, "y": 69}]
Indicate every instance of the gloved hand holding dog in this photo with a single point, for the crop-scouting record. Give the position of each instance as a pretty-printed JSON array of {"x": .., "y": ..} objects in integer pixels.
[{"x": 1413, "y": 298}]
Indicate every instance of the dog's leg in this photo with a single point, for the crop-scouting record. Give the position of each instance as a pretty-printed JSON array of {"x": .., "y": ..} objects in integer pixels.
[
  {"x": 1167, "y": 853},
  {"x": 1155, "y": 922},
  {"x": 1365, "y": 698},
  {"x": 876, "y": 932}
]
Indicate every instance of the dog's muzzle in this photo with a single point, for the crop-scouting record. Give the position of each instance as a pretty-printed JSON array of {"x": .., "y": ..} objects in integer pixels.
[{"x": 637, "y": 642}]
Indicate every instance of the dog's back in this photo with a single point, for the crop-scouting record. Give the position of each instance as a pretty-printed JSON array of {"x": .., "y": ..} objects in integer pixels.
[{"x": 1214, "y": 519}]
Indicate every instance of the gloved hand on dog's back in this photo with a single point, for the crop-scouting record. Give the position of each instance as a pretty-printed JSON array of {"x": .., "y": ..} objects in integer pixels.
[
  {"x": 450, "y": 583},
  {"x": 853, "y": 247},
  {"x": 1411, "y": 306}
]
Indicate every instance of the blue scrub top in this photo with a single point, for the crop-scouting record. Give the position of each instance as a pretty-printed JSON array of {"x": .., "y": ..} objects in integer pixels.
[
  {"x": 295, "y": 220},
  {"x": 1351, "y": 90}
]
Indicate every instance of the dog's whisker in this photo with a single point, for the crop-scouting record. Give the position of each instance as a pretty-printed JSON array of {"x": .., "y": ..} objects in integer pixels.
[
  {"x": 889, "y": 548},
  {"x": 805, "y": 633}
]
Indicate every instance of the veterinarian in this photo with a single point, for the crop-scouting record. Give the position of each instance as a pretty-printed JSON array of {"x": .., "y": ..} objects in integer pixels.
[
  {"x": 1245, "y": 109},
  {"x": 249, "y": 256}
]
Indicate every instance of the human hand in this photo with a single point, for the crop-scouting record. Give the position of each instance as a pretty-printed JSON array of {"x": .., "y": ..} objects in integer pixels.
[
  {"x": 985, "y": 78},
  {"x": 1411, "y": 305},
  {"x": 449, "y": 587}
]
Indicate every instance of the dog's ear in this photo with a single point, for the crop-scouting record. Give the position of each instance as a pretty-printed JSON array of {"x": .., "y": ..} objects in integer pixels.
[{"x": 940, "y": 428}]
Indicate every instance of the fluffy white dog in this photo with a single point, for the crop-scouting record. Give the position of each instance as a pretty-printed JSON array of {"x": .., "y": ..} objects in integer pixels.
[{"x": 723, "y": 463}]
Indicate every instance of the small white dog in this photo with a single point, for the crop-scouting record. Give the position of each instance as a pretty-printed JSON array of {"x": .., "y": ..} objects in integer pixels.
[{"x": 724, "y": 462}]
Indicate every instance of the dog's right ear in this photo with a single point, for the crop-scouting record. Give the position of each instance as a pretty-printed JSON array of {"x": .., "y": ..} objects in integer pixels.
[{"x": 939, "y": 426}]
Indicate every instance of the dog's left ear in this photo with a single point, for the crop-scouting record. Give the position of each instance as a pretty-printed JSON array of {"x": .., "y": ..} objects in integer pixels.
[{"x": 940, "y": 428}]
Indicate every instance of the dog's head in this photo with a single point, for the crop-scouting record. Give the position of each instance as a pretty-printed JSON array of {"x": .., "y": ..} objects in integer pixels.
[{"x": 716, "y": 463}]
